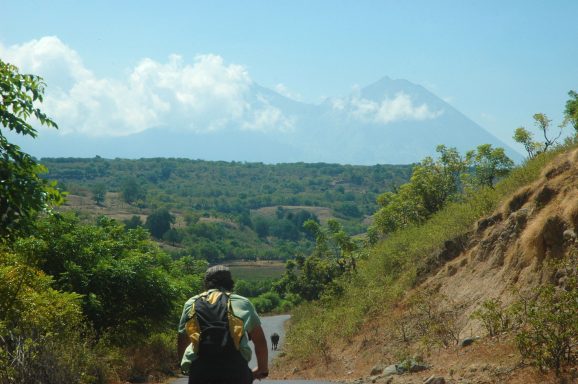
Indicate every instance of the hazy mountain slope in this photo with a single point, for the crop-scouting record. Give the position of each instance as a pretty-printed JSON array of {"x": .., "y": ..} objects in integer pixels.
[
  {"x": 395, "y": 121},
  {"x": 388, "y": 122}
]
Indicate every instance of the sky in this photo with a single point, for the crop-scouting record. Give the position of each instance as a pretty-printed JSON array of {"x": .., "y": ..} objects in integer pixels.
[{"x": 114, "y": 68}]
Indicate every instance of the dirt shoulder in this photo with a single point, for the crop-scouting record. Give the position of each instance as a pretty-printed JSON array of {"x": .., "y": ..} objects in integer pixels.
[{"x": 489, "y": 360}]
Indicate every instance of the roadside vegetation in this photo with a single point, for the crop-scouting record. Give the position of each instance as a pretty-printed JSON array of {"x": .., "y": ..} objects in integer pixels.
[
  {"x": 392, "y": 266},
  {"x": 544, "y": 322},
  {"x": 79, "y": 302}
]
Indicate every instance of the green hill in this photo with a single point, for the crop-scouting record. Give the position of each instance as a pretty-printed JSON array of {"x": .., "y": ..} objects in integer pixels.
[{"x": 226, "y": 210}]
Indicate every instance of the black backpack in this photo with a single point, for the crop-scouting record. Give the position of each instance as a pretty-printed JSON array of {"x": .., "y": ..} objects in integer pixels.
[{"x": 215, "y": 338}]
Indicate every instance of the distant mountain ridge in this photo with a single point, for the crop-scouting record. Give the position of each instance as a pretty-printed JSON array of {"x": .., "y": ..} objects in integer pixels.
[{"x": 387, "y": 122}]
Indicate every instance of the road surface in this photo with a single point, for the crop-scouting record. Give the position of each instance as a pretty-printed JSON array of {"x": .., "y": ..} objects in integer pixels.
[{"x": 270, "y": 324}]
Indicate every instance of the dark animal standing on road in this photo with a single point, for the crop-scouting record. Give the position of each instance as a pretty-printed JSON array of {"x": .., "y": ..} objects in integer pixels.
[{"x": 274, "y": 341}]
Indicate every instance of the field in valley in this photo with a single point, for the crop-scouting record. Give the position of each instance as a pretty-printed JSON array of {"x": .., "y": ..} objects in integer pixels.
[{"x": 256, "y": 270}]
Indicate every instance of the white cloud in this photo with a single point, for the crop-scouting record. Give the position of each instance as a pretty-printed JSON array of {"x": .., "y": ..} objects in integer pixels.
[
  {"x": 388, "y": 110},
  {"x": 204, "y": 96},
  {"x": 338, "y": 104},
  {"x": 284, "y": 91},
  {"x": 266, "y": 117},
  {"x": 49, "y": 58}
]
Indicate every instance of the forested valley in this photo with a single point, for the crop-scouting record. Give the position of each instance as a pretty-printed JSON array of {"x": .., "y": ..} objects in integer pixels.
[{"x": 220, "y": 211}]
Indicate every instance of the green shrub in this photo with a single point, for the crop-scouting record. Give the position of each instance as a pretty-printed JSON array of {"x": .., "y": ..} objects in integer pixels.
[
  {"x": 154, "y": 357},
  {"x": 273, "y": 297},
  {"x": 68, "y": 357},
  {"x": 285, "y": 306},
  {"x": 433, "y": 319},
  {"x": 270, "y": 302},
  {"x": 262, "y": 305},
  {"x": 43, "y": 335},
  {"x": 493, "y": 316},
  {"x": 549, "y": 331}
]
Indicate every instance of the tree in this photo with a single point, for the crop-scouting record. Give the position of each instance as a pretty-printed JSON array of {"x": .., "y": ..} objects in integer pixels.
[
  {"x": 132, "y": 190},
  {"x": 435, "y": 181},
  {"x": 159, "y": 222},
  {"x": 23, "y": 193},
  {"x": 333, "y": 256},
  {"x": 308, "y": 277},
  {"x": 173, "y": 236},
  {"x": 99, "y": 193},
  {"x": 39, "y": 326},
  {"x": 398, "y": 210},
  {"x": 261, "y": 227},
  {"x": 349, "y": 209},
  {"x": 526, "y": 138},
  {"x": 432, "y": 184},
  {"x": 133, "y": 222},
  {"x": 123, "y": 276},
  {"x": 488, "y": 164},
  {"x": 543, "y": 123},
  {"x": 245, "y": 219},
  {"x": 284, "y": 229},
  {"x": 167, "y": 169},
  {"x": 571, "y": 110}
]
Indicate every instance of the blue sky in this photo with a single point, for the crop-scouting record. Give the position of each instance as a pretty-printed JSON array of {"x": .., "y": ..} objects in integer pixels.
[{"x": 498, "y": 62}]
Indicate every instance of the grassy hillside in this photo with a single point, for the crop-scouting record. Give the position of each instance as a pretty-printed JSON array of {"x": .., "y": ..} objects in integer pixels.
[
  {"x": 374, "y": 318},
  {"x": 226, "y": 210},
  {"x": 231, "y": 187}
]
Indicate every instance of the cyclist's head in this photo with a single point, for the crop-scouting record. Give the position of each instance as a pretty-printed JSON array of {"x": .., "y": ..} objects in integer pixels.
[{"x": 219, "y": 276}]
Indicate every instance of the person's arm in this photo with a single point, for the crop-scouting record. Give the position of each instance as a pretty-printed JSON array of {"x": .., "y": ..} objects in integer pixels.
[
  {"x": 183, "y": 340},
  {"x": 182, "y": 344},
  {"x": 261, "y": 352}
]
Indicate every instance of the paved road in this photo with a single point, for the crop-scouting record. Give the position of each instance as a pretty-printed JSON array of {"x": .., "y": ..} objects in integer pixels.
[{"x": 270, "y": 324}]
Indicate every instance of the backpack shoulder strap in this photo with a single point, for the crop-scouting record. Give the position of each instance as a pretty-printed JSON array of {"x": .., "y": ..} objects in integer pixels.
[
  {"x": 202, "y": 296},
  {"x": 192, "y": 326},
  {"x": 236, "y": 324}
]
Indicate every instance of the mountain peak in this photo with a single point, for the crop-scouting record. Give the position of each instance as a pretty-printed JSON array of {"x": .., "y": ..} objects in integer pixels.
[
  {"x": 392, "y": 121},
  {"x": 391, "y": 87}
]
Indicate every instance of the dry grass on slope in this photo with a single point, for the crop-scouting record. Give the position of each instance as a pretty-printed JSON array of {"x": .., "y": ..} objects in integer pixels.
[
  {"x": 505, "y": 255},
  {"x": 509, "y": 250}
]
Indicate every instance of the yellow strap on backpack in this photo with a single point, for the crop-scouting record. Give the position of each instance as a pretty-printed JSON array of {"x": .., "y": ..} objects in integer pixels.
[{"x": 235, "y": 323}]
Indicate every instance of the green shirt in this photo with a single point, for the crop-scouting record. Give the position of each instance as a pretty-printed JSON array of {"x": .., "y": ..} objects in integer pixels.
[{"x": 242, "y": 308}]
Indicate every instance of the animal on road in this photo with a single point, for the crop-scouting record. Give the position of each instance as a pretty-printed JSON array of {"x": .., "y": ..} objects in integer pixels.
[{"x": 274, "y": 341}]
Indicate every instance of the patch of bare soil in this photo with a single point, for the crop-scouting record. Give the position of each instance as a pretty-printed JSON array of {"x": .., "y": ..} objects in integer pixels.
[
  {"x": 502, "y": 257},
  {"x": 115, "y": 208},
  {"x": 486, "y": 361}
]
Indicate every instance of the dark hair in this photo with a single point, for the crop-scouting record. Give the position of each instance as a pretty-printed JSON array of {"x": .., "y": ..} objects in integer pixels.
[{"x": 219, "y": 276}]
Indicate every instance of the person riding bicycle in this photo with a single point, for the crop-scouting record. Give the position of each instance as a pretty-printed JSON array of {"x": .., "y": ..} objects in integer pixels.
[{"x": 225, "y": 361}]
